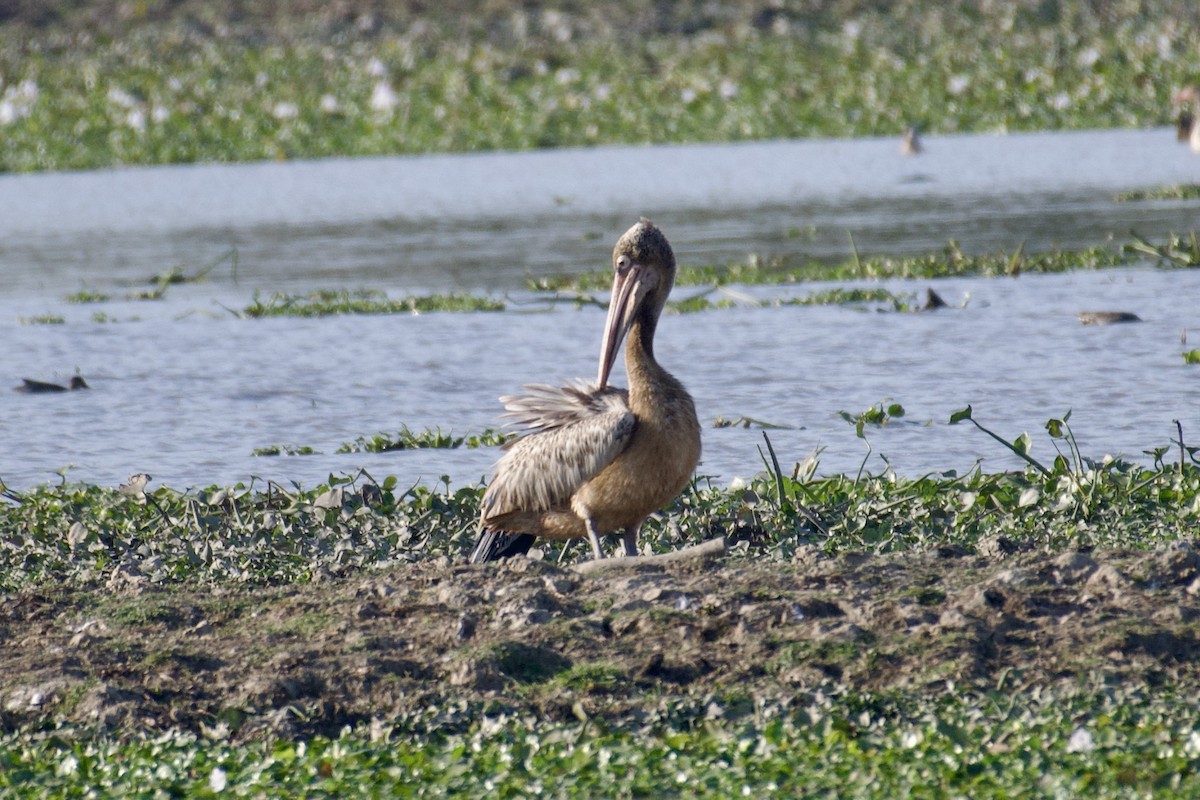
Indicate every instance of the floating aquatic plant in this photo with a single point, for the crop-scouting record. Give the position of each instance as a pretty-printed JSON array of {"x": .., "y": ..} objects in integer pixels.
[
  {"x": 406, "y": 439},
  {"x": 1184, "y": 191},
  {"x": 949, "y": 262},
  {"x": 324, "y": 303},
  {"x": 1177, "y": 251},
  {"x": 86, "y": 296},
  {"x": 285, "y": 450}
]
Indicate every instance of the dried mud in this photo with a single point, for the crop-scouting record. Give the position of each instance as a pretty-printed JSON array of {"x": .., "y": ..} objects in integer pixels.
[{"x": 296, "y": 660}]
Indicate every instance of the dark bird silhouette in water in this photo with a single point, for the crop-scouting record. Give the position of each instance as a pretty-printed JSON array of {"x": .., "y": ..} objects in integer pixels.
[{"x": 39, "y": 387}]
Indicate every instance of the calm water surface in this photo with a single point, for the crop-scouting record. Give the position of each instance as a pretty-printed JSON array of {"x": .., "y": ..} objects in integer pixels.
[{"x": 185, "y": 391}]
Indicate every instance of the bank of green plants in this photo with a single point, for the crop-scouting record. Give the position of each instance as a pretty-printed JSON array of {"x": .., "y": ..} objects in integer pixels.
[
  {"x": 1094, "y": 742},
  {"x": 271, "y": 533},
  {"x": 103, "y": 84}
]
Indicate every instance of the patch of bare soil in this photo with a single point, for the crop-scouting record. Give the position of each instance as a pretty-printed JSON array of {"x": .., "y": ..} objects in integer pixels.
[{"x": 304, "y": 659}]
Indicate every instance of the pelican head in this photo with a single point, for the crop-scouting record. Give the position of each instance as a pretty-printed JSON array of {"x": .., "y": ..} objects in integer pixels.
[{"x": 643, "y": 273}]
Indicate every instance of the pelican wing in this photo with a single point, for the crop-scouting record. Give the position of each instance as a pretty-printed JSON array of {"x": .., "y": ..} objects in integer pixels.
[{"x": 573, "y": 432}]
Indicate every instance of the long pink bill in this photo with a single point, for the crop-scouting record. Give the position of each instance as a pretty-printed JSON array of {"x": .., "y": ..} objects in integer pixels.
[{"x": 620, "y": 316}]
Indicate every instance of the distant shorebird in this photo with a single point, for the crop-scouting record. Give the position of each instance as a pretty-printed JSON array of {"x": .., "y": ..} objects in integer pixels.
[
  {"x": 596, "y": 459},
  {"x": 1107, "y": 317},
  {"x": 38, "y": 387},
  {"x": 910, "y": 145},
  {"x": 1186, "y": 127}
]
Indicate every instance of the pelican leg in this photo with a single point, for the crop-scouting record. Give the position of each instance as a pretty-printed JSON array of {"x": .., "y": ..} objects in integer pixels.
[
  {"x": 629, "y": 537},
  {"x": 594, "y": 538}
]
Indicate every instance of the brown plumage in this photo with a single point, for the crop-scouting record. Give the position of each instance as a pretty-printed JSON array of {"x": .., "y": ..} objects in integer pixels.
[{"x": 595, "y": 459}]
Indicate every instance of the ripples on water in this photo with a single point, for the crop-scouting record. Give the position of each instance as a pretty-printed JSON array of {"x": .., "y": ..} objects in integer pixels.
[{"x": 184, "y": 391}]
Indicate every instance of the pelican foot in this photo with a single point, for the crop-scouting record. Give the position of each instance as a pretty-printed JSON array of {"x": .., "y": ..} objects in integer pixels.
[
  {"x": 594, "y": 539},
  {"x": 629, "y": 537}
]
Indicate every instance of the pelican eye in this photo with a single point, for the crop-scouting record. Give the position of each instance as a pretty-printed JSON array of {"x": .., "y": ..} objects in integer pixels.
[{"x": 623, "y": 264}]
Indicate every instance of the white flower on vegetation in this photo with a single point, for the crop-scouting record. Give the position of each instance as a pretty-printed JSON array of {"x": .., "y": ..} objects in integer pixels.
[
  {"x": 329, "y": 104},
  {"x": 565, "y": 76},
  {"x": 1081, "y": 741},
  {"x": 957, "y": 84},
  {"x": 1060, "y": 101},
  {"x": 284, "y": 110},
  {"x": 687, "y": 95},
  {"x": 122, "y": 98},
  {"x": 217, "y": 780},
  {"x": 603, "y": 92},
  {"x": 738, "y": 484},
  {"x": 376, "y": 68},
  {"x": 1088, "y": 58},
  {"x": 136, "y": 119},
  {"x": 160, "y": 114},
  {"x": 728, "y": 89},
  {"x": 383, "y": 97}
]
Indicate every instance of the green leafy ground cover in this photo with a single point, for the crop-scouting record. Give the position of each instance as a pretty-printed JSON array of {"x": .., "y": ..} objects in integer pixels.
[
  {"x": 107, "y": 83},
  {"x": 836, "y": 745}
]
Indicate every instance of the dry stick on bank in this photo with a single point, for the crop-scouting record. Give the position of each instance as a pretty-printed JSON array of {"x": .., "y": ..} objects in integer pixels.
[{"x": 713, "y": 548}]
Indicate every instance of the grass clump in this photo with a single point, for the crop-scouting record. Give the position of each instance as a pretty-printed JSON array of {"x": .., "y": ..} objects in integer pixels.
[
  {"x": 86, "y": 296},
  {"x": 326, "y": 303},
  {"x": 406, "y": 439},
  {"x": 1182, "y": 191},
  {"x": 949, "y": 262},
  {"x": 284, "y": 450}
]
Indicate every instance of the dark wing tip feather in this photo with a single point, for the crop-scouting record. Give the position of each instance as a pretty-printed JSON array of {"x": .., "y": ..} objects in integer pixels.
[{"x": 495, "y": 545}]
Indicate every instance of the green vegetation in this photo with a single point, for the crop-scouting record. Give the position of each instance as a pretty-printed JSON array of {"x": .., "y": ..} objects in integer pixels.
[
  {"x": 365, "y": 301},
  {"x": 107, "y": 83},
  {"x": 285, "y": 450},
  {"x": 1177, "y": 251},
  {"x": 86, "y": 296},
  {"x": 80, "y": 534},
  {"x": 949, "y": 262},
  {"x": 1004, "y": 743},
  {"x": 406, "y": 439},
  {"x": 1185, "y": 191}
]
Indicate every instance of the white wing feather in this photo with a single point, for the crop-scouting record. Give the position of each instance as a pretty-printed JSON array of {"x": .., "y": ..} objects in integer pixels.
[{"x": 572, "y": 433}]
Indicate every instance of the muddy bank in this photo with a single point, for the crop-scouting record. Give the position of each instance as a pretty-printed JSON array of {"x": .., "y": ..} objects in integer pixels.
[{"x": 297, "y": 660}]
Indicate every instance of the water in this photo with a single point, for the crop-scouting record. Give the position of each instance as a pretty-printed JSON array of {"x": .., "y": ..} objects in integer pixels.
[{"x": 185, "y": 391}]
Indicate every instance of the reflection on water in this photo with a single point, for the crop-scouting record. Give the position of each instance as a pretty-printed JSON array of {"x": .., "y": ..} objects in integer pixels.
[{"x": 183, "y": 390}]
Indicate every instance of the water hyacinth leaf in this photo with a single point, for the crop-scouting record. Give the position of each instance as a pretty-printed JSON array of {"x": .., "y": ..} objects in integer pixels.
[
  {"x": 1055, "y": 428},
  {"x": 960, "y": 415},
  {"x": 1022, "y": 444},
  {"x": 1029, "y": 497},
  {"x": 1191, "y": 357}
]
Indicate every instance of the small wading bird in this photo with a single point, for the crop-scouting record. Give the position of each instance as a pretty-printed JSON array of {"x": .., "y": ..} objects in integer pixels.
[
  {"x": 597, "y": 459},
  {"x": 1187, "y": 129},
  {"x": 38, "y": 387}
]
